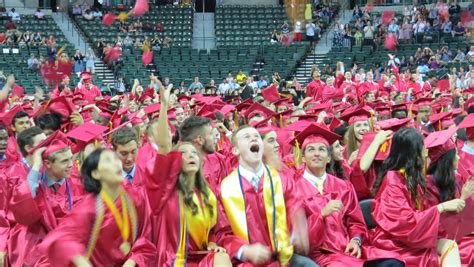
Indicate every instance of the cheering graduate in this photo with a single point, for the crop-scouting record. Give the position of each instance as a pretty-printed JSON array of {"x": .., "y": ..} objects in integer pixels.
[
  {"x": 109, "y": 227},
  {"x": 334, "y": 217},
  {"x": 259, "y": 203},
  {"x": 89, "y": 91},
  {"x": 403, "y": 226},
  {"x": 443, "y": 184},
  {"x": 183, "y": 204},
  {"x": 43, "y": 195}
]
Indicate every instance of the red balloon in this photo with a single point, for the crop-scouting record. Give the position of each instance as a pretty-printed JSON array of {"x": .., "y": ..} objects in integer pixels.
[
  {"x": 147, "y": 57},
  {"x": 108, "y": 19},
  {"x": 114, "y": 54},
  {"x": 391, "y": 42},
  {"x": 140, "y": 8},
  {"x": 387, "y": 17},
  {"x": 466, "y": 17}
]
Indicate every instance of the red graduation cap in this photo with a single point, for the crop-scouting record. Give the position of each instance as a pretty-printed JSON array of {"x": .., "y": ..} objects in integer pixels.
[
  {"x": 439, "y": 143},
  {"x": 383, "y": 110},
  {"x": 270, "y": 94},
  {"x": 383, "y": 151},
  {"x": 326, "y": 106},
  {"x": 459, "y": 225},
  {"x": 391, "y": 42},
  {"x": 435, "y": 119},
  {"x": 283, "y": 102},
  {"x": 315, "y": 133},
  {"x": 61, "y": 105},
  {"x": 226, "y": 109},
  {"x": 362, "y": 113},
  {"x": 153, "y": 108},
  {"x": 245, "y": 104},
  {"x": 86, "y": 76},
  {"x": 53, "y": 143},
  {"x": 469, "y": 103},
  {"x": 468, "y": 122},
  {"x": 149, "y": 93},
  {"x": 423, "y": 101},
  {"x": 387, "y": 17},
  {"x": 17, "y": 91},
  {"x": 443, "y": 85},
  {"x": 114, "y": 54},
  {"x": 7, "y": 117},
  {"x": 257, "y": 108},
  {"x": 147, "y": 57},
  {"x": 140, "y": 8},
  {"x": 298, "y": 126},
  {"x": 108, "y": 19},
  {"x": 86, "y": 134},
  {"x": 393, "y": 124},
  {"x": 207, "y": 111}
]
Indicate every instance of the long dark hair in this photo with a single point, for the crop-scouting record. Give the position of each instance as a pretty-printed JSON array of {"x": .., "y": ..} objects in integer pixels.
[
  {"x": 199, "y": 183},
  {"x": 334, "y": 167},
  {"x": 406, "y": 153},
  {"x": 444, "y": 178},
  {"x": 90, "y": 164}
]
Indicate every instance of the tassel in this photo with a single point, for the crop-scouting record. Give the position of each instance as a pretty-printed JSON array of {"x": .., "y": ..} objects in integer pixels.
[
  {"x": 450, "y": 248},
  {"x": 109, "y": 138},
  {"x": 372, "y": 122},
  {"x": 96, "y": 143},
  {"x": 236, "y": 120},
  {"x": 297, "y": 154},
  {"x": 78, "y": 165},
  {"x": 282, "y": 123},
  {"x": 384, "y": 147}
]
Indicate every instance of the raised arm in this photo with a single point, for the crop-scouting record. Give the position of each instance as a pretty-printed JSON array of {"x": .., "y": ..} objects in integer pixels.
[
  {"x": 7, "y": 87},
  {"x": 161, "y": 132}
]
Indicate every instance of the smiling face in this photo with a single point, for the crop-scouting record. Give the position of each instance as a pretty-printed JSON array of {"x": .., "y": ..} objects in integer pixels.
[
  {"x": 190, "y": 159},
  {"x": 337, "y": 151},
  {"x": 316, "y": 157},
  {"x": 61, "y": 166},
  {"x": 360, "y": 128},
  {"x": 248, "y": 146},
  {"x": 271, "y": 147}
]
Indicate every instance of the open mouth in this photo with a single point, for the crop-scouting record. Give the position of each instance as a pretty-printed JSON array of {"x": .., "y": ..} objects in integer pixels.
[
  {"x": 192, "y": 163},
  {"x": 254, "y": 148}
]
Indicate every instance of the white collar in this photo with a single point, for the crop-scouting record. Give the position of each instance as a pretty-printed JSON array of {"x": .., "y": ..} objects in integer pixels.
[
  {"x": 248, "y": 174},
  {"x": 313, "y": 178}
]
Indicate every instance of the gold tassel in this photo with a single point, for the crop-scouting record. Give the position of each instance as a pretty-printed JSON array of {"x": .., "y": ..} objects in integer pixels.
[
  {"x": 236, "y": 120},
  {"x": 297, "y": 154},
  {"x": 282, "y": 124},
  {"x": 410, "y": 110},
  {"x": 109, "y": 138},
  {"x": 384, "y": 147},
  {"x": 96, "y": 143}
]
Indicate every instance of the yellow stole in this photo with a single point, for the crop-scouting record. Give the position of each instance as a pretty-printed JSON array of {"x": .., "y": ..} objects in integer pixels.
[
  {"x": 198, "y": 226},
  {"x": 275, "y": 210}
]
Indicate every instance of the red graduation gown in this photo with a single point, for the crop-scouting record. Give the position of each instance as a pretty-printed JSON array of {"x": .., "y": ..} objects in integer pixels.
[
  {"x": 466, "y": 244},
  {"x": 72, "y": 236},
  {"x": 145, "y": 153},
  {"x": 466, "y": 161},
  {"x": 339, "y": 228},
  {"x": 12, "y": 153},
  {"x": 401, "y": 228},
  {"x": 361, "y": 181},
  {"x": 256, "y": 217},
  {"x": 216, "y": 167},
  {"x": 37, "y": 216},
  {"x": 89, "y": 94},
  {"x": 314, "y": 89},
  {"x": 161, "y": 177}
]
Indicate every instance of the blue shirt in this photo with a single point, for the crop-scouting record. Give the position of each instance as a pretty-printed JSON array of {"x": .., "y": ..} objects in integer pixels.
[
  {"x": 34, "y": 178},
  {"x": 131, "y": 174},
  {"x": 469, "y": 150}
]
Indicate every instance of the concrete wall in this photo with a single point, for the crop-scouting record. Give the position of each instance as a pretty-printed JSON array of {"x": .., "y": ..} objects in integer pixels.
[{"x": 251, "y": 2}]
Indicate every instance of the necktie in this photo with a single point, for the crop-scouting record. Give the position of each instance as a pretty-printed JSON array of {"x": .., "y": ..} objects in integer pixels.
[
  {"x": 55, "y": 187},
  {"x": 255, "y": 180},
  {"x": 129, "y": 178},
  {"x": 320, "y": 185}
]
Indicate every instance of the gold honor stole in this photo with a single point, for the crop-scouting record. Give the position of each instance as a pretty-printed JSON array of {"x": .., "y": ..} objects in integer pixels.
[
  {"x": 199, "y": 225},
  {"x": 275, "y": 210}
]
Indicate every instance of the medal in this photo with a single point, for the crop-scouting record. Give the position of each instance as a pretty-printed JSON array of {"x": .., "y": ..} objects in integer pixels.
[{"x": 125, "y": 248}]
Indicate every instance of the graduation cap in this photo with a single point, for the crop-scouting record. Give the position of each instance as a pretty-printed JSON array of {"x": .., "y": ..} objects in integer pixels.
[
  {"x": 17, "y": 91},
  {"x": 147, "y": 57},
  {"x": 468, "y": 122},
  {"x": 257, "y": 108},
  {"x": 86, "y": 76},
  {"x": 437, "y": 119},
  {"x": 86, "y": 134},
  {"x": 264, "y": 129},
  {"x": 393, "y": 124},
  {"x": 423, "y": 101},
  {"x": 140, "y": 8},
  {"x": 361, "y": 113},
  {"x": 7, "y": 117},
  {"x": 282, "y": 102},
  {"x": 226, "y": 109},
  {"x": 149, "y": 93},
  {"x": 53, "y": 143},
  {"x": 270, "y": 94},
  {"x": 298, "y": 126},
  {"x": 442, "y": 85},
  {"x": 326, "y": 106},
  {"x": 314, "y": 133},
  {"x": 383, "y": 110},
  {"x": 402, "y": 106},
  {"x": 207, "y": 111},
  {"x": 469, "y": 103},
  {"x": 383, "y": 151},
  {"x": 439, "y": 143},
  {"x": 243, "y": 105},
  {"x": 61, "y": 105}
]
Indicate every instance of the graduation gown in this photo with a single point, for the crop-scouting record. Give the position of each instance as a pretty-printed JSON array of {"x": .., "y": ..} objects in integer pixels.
[
  {"x": 216, "y": 167},
  {"x": 314, "y": 89},
  {"x": 161, "y": 177},
  {"x": 362, "y": 181},
  {"x": 335, "y": 231},
  {"x": 466, "y": 161},
  {"x": 12, "y": 153},
  {"x": 89, "y": 94},
  {"x": 71, "y": 237},
  {"x": 433, "y": 198},
  {"x": 37, "y": 216},
  {"x": 256, "y": 219},
  {"x": 145, "y": 153},
  {"x": 401, "y": 228}
]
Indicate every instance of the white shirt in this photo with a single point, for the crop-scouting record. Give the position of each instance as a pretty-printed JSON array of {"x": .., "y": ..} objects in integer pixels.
[
  {"x": 313, "y": 178},
  {"x": 310, "y": 27},
  {"x": 248, "y": 174}
]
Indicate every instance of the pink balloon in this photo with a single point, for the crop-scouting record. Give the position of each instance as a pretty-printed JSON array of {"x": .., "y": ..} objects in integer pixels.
[
  {"x": 391, "y": 42},
  {"x": 147, "y": 57},
  {"x": 108, "y": 19},
  {"x": 140, "y": 8}
]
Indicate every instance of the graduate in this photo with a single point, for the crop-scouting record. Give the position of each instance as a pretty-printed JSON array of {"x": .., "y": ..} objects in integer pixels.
[
  {"x": 43, "y": 194},
  {"x": 110, "y": 226},
  {"x": 183, "y": 204},
  {"x": 89, "y": 91},
  {"x": 444, "y": 184},
  {"x": 332, "y": 208},
  {"x": 466, "y": 153},
  {"x": 404, "y": 226},
  {"x": 260, "y": 203}
]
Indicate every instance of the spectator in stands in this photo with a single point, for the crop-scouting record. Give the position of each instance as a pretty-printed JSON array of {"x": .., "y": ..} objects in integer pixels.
[
  {"x": 369, "y": 34},
  {"x": 36, "y": 40},
  {"x": 138, "y": 25},
  {"x": 380, "y": 36},
  {"x": 76, "y": 10},
  {"x": 459, "y": 30},
  {"x": 39, "y": 14},
  {"x": 337, "y": 38},
  {"x": 358, "y": 38},
  {"x": 78, "y": 62},
  {"x": 52, "y": 51},
  {"x": 393, "y": 28},
  {"x": 285, "y": 29},
  {"x": 419, "y": 29},
  {"x": 119, "y": 86},
  {"x": 127, "y": 41},
  {"x": 14, "y": 15},
  {"x": 33, "y": 63},
  {"x": 88, "y": 15},
  {"x": 276, "y": 38},
  {"x": 159, "y": 27},
  {"x": 356, "y": 12},
  {"x": 196, "y": 85},
  {"x": 90, "y": 61},
  {"x": 10, "y": 25},
  {"x": 405, "y": 31},
  {"x": 138, "y": 43},
  {"x": 212, "y": 86},
  {"x": 97, "y": 14},
  {"x": 347, "y": 36},
  {"x": 167, "y": 42},
  {"x": 297, "y": 32},
  {"x": 447, "y": 27},
  {"x": 262, "y": 82},
  {"x": 240, "y": 77},
  {"x": 100, "y": 45},
  {"x": 310, "y": 32},
  {"x": 51, "y": 40},
  {"x": 156, "y": 42},
  {"x": 454, "y": 9},
  {"x": 470, "y": 55},
  {"x": 224, "y": 87}
]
